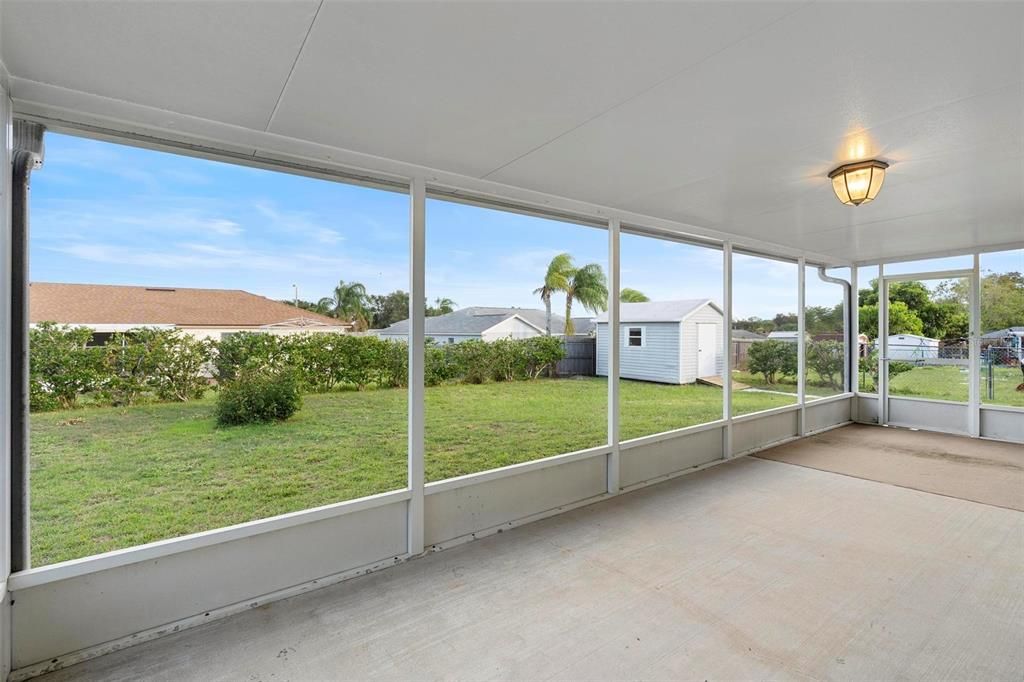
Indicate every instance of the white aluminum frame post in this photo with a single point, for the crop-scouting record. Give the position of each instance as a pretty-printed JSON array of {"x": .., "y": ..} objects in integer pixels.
[
  {"x": 727, "y": 350},
  {"x": 614, "y": 458},
  {"x": 801, "y": 344},
  {"x": 974, "y": 350},
  {"x": 417, "y": 303}
]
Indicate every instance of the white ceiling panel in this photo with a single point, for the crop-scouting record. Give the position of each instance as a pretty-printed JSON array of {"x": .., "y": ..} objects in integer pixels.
[
  {"x": 225, "y": 60},
  {"x": 726, "y": 116},
  {"x": 468, "y": 87}
]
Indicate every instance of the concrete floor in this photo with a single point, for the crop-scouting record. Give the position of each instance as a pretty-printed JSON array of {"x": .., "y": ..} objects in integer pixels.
[
  {"x": 753, "y": 569},
  {"x": 980, "y": 470}
]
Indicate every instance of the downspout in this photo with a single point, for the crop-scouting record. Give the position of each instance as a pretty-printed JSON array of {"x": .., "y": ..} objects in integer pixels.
[
  {"x": 852, "y": 345},
  {"x": 27, "y": 155}
]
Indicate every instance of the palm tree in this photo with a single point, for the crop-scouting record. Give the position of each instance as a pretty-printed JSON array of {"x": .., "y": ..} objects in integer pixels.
[
  {"x": 443, "y": 306},
  {"x": 588, "y": 286},
  {"x": 348, "y": 302},
  {"x": 628, "y": 295},
  {"x": 560, "y": 269}
]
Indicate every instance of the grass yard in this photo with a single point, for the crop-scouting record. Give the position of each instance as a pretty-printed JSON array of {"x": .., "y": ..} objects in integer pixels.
[
  {"x": 949, "y": 382},
  {"x": 106, "y": 478}
]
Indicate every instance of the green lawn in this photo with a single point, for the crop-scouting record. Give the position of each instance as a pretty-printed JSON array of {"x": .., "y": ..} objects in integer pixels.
[
  {"x": 106, "y": 478},
  {"x": 949, "y": 382}
]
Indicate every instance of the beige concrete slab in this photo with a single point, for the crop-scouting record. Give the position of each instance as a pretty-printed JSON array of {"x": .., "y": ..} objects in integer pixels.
[
  {"x": 984, "y": 471},
  {"x": 753, "y": 569}
]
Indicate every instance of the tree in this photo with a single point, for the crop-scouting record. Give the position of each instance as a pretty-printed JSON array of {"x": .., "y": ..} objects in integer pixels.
[
  {"x": 902, "y": 320},
  {"x": 1002, "y": 299},
  {"x": 348, "y": 302},
  {"x": 62, "y": 365},
  {"x": 555, "y": 279},
  {"x": 589, "y": 286},
  {"x": 442, "y": 306},
  {"x": 311, "y": 306},
  {"x": 387, "y": 309},
  {"x": 827, "y": 358},
  {"x": 772, "y": 358},
  {"x": 628, "y": 295}
]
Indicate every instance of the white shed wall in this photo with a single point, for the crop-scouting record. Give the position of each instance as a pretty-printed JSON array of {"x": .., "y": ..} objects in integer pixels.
[{"x": 657, "y": 360}]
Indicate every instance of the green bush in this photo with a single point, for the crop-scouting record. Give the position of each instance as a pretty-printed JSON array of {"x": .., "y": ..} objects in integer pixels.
[
  {"x": 542, "y": 354},
  {"x": 61, "y": 366},
  {"x": 252, "y": 351},
  {"x": 259, "y": 396},
  {"x": 772, "y": 359},
  {"x": 392, "y": 363},
  {"x": 473, "y": 361},
  {"x": 319, "y": 360},
  {"x": 827, "y": 359}
]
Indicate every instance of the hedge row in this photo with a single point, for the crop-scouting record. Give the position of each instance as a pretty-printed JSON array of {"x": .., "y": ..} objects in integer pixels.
[{"x": 169, "y": 365}]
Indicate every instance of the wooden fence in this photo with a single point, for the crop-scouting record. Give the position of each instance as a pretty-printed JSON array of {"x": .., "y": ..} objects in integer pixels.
[{"x": 580, "y": 357}]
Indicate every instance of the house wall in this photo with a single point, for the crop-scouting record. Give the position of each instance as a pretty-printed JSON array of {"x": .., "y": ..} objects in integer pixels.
[
  {"x": 688, "y": 350},
  {"x": 513, "y": 328},
  {"x": 657, "y": 360}
]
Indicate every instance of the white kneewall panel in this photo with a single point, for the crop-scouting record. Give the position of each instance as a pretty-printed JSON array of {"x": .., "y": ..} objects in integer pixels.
[
  {"x": 867, "y": 409},
  {"x": 823, "y": 414},
  {"x": 1002, "y": 424},
  {"x": 56, "y": 618},
  {"x": 933, "y": 415},
  {"x": 760, "y": 431},
  {"x": 650, "y": 459},
  {"x": 455, "y": 513}
]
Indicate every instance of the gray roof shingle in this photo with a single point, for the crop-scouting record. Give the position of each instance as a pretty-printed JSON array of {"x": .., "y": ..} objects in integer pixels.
[{"x": 658, "y": 311}]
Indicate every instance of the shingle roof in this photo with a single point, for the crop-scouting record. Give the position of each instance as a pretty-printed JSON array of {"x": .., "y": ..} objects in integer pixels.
[
  {"x": 478, "y": 319},
  {"x": 184, "y": 307},
  {"x": 1000, "y": 333},
  {"x": 747, "y": 335},
  {"x": 658, "y": 311}
]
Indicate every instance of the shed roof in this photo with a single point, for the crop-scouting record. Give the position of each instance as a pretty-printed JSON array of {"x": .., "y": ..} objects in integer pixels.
[
  {"x": 659, "y": 311},
  {"x": 1003, "y": 333},
  {"x": 185, "y": 307}
]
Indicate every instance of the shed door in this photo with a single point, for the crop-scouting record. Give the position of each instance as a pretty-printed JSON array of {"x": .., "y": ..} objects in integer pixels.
[{"x": 706, "y": 342}]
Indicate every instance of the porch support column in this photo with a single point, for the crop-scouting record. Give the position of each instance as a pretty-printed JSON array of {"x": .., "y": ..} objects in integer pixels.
[
  {"x": 801, "y": 344},
  {"x": 614, "y": 227},
  {"x": 882, "y": 385},
  {"x": 27, "y": 156},
  {"x": 853, "y": 343},
  {"x": 974, "y": 351},
  {"x": 727, "y": 348},
  {"x": 417, "y": 301}
]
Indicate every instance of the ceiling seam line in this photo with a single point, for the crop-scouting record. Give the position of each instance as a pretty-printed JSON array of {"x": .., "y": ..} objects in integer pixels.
[
  {"x": 291, "y": 71},
  {"x": 643, "y": 92}
]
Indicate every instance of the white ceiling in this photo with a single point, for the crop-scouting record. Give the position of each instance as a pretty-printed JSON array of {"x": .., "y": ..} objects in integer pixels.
[{"x": 727, "y": 116}]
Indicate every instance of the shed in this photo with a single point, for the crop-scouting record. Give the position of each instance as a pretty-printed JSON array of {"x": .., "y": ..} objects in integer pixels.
[
  {"x": 670, "y": 342},
  {"x": 911, "y": 347}
]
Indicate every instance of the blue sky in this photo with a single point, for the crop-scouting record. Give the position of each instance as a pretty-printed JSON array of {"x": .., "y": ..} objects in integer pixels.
[{"x": 113, "y": 214}]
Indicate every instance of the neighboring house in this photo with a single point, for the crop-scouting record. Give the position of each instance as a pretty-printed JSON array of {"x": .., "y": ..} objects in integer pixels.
[
  {"x": 203, "y": 313},
  {"x": 1011, "y": 337},
  {"x": 487, "y": 324},
  {"x": 911, "y": 347},
  {"x": 670, "y": 342}
]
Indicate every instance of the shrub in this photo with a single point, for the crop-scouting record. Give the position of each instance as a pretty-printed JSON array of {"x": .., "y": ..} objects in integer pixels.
[
  {"x": 318, "y": 359},
  {"x": 772, "y": 359},
  {"x": 253, "y": 351},
  {"x": 61, "y": 365},
  {"x": 542, "y": 354},
  {"x": 438, "y": 364},
  {"x": 259, "y": 396},
  {"x": 392, "y": 363},
  {"x": 180, "y": 366},
  {"x": 129, "y": 361},
  {"x": 508, "y": 360},
  {"x": 827, "y": 359},
  {"x": 472, "y": 361}
]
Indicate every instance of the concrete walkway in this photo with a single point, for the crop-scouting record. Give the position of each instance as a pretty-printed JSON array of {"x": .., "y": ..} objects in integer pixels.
[{"x": 753, "y": 569}]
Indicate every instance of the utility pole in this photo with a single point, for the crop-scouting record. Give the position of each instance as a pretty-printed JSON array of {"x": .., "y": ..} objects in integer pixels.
[{"x": 295, "y": 288}]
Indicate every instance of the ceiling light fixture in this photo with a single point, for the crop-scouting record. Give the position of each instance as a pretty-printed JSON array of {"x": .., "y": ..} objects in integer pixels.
[{"x": 858, "y": 183}]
